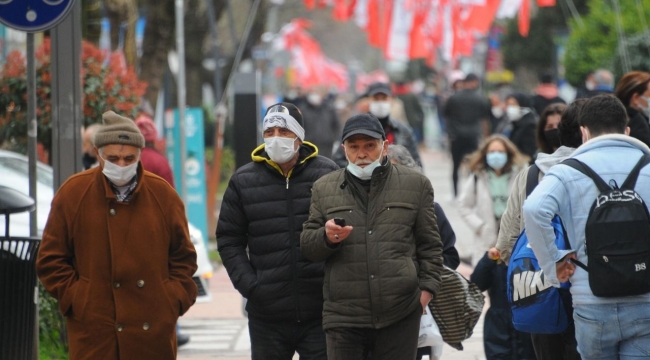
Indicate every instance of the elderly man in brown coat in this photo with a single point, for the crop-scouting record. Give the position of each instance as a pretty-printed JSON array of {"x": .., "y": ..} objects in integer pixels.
[{"x": 117, "y": 255}]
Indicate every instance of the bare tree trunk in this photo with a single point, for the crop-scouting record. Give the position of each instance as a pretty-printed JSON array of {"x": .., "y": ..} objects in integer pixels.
[
  {"x": 196, "y": 31},
  {"x": 117, "y": 13},
  {"x": 158, "y": 40},
  {"x": 92, "y": 20},
  {"x": 130, "y": 46},
  {"x": 120, "y": 12}
]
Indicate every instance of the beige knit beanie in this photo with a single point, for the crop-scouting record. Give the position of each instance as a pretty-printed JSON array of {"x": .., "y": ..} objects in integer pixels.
[{"x": 117, "y": 129}]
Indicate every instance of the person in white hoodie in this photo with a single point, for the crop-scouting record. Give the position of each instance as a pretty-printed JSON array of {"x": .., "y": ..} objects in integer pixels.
[
  {"x": 563, "y": 141},
  {"x": 606, "y": 327}
]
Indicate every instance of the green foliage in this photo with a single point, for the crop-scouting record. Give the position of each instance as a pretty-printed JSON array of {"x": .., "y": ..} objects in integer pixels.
[
  {"x": 214, "y": 256},
  {"x": 227, "y": 164},
  {"x": 596, "y": 45},
  {"x": 107, "y": 83},
  {"x": 53, "y": 342},
  {"x": 537, "y": 50}
]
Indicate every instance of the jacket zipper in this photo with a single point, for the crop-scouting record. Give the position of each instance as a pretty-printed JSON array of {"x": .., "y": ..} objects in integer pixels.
[{"x": 294, "y": 260}]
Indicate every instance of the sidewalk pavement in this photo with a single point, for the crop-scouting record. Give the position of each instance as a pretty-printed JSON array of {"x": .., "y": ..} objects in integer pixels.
[{"x": 227, "y": 302}]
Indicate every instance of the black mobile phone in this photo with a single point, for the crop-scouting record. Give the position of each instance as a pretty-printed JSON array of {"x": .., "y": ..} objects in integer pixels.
[{"x": 339, "y": 221}]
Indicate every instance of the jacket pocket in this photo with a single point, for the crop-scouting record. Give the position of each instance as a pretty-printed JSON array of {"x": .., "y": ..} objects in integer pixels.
[
  {"x": 80, "y": 298},
  {"x": 172, "y": 298},
  {"x": 402, "y": 212},
  {"x": 340, "y": 211},
  {"x": 412, "y": 271}
]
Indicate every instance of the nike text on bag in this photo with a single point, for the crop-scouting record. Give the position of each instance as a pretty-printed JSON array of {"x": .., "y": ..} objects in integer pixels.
[
  {"x": 617, "y": 236},
  {"x": 537, "y": 307}
]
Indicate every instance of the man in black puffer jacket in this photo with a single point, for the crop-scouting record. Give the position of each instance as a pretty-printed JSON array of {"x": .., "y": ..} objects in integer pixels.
[{"x": 263, "y": 210}]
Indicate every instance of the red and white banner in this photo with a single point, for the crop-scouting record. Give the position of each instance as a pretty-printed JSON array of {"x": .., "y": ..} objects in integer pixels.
[
  {"x": 308, "y": 62},
  {"x": 413, "y": 29}
]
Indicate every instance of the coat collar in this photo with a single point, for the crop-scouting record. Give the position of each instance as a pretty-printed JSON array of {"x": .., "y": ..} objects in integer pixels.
[
  {"x": 101, "y": 179},
  {"x": 619, "y": 140}
]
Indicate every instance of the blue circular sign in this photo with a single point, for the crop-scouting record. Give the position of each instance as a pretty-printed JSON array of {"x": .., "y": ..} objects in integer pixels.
[{"x": 33, "y": 15}]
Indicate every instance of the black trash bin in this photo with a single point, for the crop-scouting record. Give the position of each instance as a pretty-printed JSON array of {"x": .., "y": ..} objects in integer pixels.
[{"x": 18, "y": 284}]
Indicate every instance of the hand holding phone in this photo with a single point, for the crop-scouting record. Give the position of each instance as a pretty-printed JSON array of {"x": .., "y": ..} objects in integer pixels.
[{"x": 337, "y": 230}]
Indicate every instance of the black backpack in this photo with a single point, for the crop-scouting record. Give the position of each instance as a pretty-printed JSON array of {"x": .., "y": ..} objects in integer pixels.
[{"x": 617, "y": 236}]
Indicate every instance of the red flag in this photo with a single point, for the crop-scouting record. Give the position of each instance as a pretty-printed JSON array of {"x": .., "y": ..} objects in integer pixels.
[
  {"x": 545, "y": 3},
  {"x": 343, "y": 9},
  {"x": 481, "y": 17},
  {"x": 418, "y": 37},
  {"x": 310, "y": 4},
  {"x": 379, "y": 15},
  {"x": 308, "y": 63},
  {"x": 463, "y": 39},
  {"x": 524, "y": 18}
]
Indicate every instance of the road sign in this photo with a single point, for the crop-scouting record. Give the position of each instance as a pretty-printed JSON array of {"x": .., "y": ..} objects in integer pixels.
[{"x": 33, "y": 15}]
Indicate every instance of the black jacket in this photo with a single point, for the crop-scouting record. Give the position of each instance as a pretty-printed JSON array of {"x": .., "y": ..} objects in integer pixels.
[
  {"x": 500, "y": 339},
  {"x": 523, "y": 134},
  {"x": 464, "y": 112},
  {"x": 263, "y": 212},
  {"x": 639, "y": 127},
  {"x": 540, "y": 102},
  {"x": 322, "y": 126},
  {"x": 403, "y": 136},
  {"x": 450, "y": 257}
]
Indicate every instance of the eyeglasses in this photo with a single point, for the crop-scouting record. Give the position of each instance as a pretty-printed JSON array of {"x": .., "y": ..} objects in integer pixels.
[{"x": 278, "y": 109}]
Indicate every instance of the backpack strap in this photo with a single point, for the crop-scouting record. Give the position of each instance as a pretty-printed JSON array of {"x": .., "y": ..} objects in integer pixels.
[
  {"x": 568, "y": 247},
  {"x": 532, "y": 179},
  {"x": 580, "y": 264},
  {"x": 583, "y": 168},
  {"x": 630, "y": 182}
]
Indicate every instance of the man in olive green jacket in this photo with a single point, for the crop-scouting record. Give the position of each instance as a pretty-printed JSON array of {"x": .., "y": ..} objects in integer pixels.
[{"x": 383, "y": 265}]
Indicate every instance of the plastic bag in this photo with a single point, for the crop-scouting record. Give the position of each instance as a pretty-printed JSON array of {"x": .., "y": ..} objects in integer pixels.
[{"x": 429, "y": 332}]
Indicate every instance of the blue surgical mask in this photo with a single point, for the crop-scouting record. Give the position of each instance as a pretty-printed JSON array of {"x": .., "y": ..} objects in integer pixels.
[{"x": 496, "y": 159}]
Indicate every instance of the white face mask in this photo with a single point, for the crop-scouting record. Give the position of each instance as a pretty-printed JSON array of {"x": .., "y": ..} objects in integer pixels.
[
  {"x": 315, "y": 99},
  {"x": 119, "y": 175},
  {"x": 292, "y": 94},
  {"x": 381, "y": 109},
  {"x": 514, "y": 112},
  {"x": 280, "y": 149},
  {"x": 364, "y": 173},
  {"x": 497, "y": 111},
  {"x": 589, "y": 85}
]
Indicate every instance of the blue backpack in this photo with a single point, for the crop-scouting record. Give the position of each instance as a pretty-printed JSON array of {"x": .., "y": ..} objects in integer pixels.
[{"x": 537, "y": 307}]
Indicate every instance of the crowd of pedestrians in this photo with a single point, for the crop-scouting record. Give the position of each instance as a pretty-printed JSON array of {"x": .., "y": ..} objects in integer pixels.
[{"x": 333, "y": 235}]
